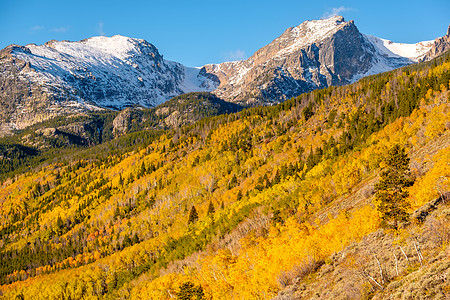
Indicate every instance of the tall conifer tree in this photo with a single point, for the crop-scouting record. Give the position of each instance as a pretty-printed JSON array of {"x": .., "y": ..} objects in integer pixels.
[
  {"x": 193, "y": 215},
  {"x": 391, "y": 190}
]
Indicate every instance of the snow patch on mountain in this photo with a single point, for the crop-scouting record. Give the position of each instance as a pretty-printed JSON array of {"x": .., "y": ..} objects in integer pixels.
[
  {"x": 388, "y": 48},
  {"x": 310, "y": 32},
  {"x": 389, "y": 55},
  {"x": 193, "y": 81},
  {"x": 113, "y": 72}
]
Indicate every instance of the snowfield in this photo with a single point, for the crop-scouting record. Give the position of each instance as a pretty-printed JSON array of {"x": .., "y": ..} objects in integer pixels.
[
  {"x": 119, "y": 71},
  {"x": 112, "y": 72}
]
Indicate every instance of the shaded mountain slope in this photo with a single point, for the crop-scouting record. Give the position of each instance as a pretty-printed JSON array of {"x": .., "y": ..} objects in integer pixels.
[
  {"x": 314, "y": 55},
  {"x": 61, "y": 78}
]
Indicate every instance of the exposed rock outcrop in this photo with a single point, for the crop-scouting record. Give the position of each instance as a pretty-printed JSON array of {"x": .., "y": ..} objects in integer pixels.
[
  {"x": 440, "y": 46},
  {"x": 22, "y": 101},
  {"x": 39, "y": 82},
  {"x": 313, "y": 55},
  {"x": 65, "y": 78}
]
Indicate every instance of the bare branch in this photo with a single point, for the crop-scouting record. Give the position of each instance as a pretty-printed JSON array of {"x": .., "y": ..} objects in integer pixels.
[
  {"x": 371, "y": 278},
  {"x": 406, "y": 256},
  {"x": 396, "y": 261},
  {"x": 419, "y": 254},
  {"x": 379, "y": 266}
]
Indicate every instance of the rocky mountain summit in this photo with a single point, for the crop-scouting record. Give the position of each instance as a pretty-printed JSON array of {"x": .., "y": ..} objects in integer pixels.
[
  {"x": 313, "y": 55},
  {"x": 440, "y": 46},
  {"x": 69, "y": 77},
  {"x": 38, "y": 82}
]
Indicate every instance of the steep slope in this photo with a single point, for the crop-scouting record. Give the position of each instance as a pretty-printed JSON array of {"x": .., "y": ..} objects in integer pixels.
[
  {"x": 233, "y": 206},
  {"x": 313, "y": 55},
  {"x": 113, "y": 72},
  {"x": 440, "y": 46},
  {"x": 189, "y": 108},
  {"x": 414, "y": 265},
  {"x": 63, "y": 78},
  {"x": 90, "y": 128},
  {"x": 389, "y": 55}
]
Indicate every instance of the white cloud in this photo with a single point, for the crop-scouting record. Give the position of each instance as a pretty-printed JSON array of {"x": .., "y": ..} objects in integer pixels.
[
  {"x": 100, "y": 28},
  {"x": 335, "y": 11},
  {"x": 37, "y": 28},
  {"x": 234, "y": 55},
  {"x": 59, "y": 29}
]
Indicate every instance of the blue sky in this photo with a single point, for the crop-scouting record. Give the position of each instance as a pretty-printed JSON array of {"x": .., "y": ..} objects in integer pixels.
[{"x": 196, "y": 32}]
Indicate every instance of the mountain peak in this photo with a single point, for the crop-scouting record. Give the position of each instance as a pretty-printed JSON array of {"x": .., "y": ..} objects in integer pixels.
[
  {"x": 310, "y": 32},
  {"x": 333, "y": 19},
  {"x": 312, "y": 55},
  {"x": 99, "y": 47},
  {"x": 320, "y": 26},
  {"x": 439, "y": 46},
  {"x": 113, "y": 72},
  {"x": 330, "y": 21},
  {"x": 120, "y": 71}
]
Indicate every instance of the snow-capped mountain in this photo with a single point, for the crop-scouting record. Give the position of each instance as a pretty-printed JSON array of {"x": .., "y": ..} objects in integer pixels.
[
  {"x": 61, "y": 77},
  {"x": 313, "y": 55},
  {"x": 70, "y": 77},
  {"x": 110, "y": 71},
  {"x": 440, "y": 46},
  {"x": 389, "y": 55}
]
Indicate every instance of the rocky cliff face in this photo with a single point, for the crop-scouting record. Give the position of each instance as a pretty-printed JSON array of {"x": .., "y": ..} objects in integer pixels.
[
  {"x": 23, "y": 102},
  {"x": 189, "y": 108},
  {"x": 440, "y": 46},
  {"x": 66, "y": 77},
  {"x": 122, "y": 122},
  {"x": 313, "y": 55},
  {"x": 62, "y": 78}
]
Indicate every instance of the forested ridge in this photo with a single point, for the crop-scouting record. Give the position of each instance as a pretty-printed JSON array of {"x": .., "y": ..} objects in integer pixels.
[
  {"x": 71, "y": 134},
  {"x": 240, "y": 205}
]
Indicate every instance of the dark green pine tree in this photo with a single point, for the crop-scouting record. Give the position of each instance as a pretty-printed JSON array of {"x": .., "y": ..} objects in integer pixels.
[
  {"x": 59, "y": 226},
  {"x": 211, "y": 209},
  {"x": 391, "y": 190},
  {"x": 193, "y": 215},
  {"x": 135, "y": 239},
  {"x": 276, "y": 218},
  {"x": 310, "y": 160},
  {"x": 188, "y": 291},
  {"x": 238, "y": 197},
  {"x": 233, "y": 182},
  {"x": 276, "y": 178},
  {"x": 142, "y": 170},
  {"x": 120, "y": 179}
]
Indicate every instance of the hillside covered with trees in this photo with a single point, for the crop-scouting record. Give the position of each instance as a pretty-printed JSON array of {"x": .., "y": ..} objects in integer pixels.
[
  {"x": 29, "y": 147},
  {"x": 287, "y": 201}
]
